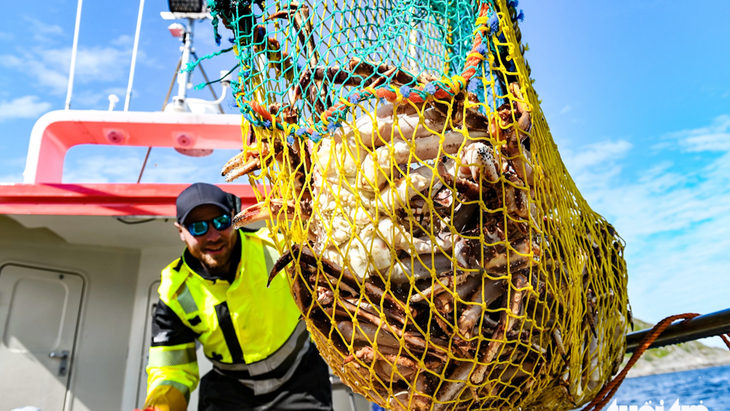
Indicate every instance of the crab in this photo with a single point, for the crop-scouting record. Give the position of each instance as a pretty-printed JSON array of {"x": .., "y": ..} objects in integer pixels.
[{"x": 419, "y": 259}]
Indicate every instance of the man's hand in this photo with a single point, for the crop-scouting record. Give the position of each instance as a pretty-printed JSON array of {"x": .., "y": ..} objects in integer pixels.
[{"x": 165, "y": 398}]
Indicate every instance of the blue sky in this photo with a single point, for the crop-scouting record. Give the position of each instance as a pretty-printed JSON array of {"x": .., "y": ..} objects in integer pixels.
[{"x": 636, "y": 94}]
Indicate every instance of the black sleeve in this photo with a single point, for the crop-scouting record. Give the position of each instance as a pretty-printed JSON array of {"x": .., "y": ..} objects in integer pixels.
[{"x": 168, "y": 328}]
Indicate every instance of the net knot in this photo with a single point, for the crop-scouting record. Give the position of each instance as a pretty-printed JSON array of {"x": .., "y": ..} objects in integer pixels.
[
  {"x": 493, "y": 22},
  {"x": 405, "y": 91},
  {"x": 429, "y": 88},
  {"x": 354, "y": 98}
]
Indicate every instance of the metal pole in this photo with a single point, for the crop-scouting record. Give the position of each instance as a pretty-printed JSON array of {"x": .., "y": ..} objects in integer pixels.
[
  {"x": 707, "y": 325},
  {"x": 134, "y": 57},
  {"x": 164, "y": 104},
  {"x": 184, "y": 77},
  {"x": 73, "y": 57}
]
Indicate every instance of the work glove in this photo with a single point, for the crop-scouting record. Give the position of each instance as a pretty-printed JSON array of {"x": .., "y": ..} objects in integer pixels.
[{"x": 165, "y": 398}]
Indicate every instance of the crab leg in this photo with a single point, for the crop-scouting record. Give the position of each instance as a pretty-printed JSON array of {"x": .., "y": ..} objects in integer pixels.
[
  {"x": 388, "y": 125},
  {"x": 249, "y": 160},
  {"x": 340, "y": 275},
  {"x": 453, "y": 386},
  {"x": 331, "y": 74},
  {"x": 395, "y": 196},
  {"x": 445, "y": 301},
  {"x": 299, "y": 17},
  {"x": 279, "y": 59},
  {"x": 507, "y": 321},
  {"x": 515, "y": 135},
  {"x": 401, "y": 77},
  {"x": 411, "y": 340},
  {"x": 396, "y": 235},
  {"x": 444, "y": 284},
  {"x": 420, "y": 267},
  {"x": 335, "y": 283},
  {"x": 372, "y": 309},
  {"x": 252, "y": 158},
  {"x": 279, "y": 265},
  {"x": 483, "y": 297},
  {"x": 424, "y": 148},
  {"x": 371, "y": 290},
  {"x": 559, "y": 344},
  {"x": 366, "y": 333},
  {"x": 496, "y": 257},
  {"x": 276, "y": 209}
]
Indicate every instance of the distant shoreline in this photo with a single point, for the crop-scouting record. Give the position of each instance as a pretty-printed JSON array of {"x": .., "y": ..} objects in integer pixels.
[
  {"x": 669, "y": 368},
  {"x": 687, "y": 356}
]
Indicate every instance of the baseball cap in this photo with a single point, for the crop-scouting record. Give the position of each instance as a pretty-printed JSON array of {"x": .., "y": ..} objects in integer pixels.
[{"x": 199, "y": 194}]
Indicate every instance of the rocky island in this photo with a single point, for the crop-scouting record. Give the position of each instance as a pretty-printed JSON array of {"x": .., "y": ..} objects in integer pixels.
[{"x": 681, "y": 357}]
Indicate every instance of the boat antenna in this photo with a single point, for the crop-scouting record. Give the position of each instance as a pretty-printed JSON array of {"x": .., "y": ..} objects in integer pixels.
[
  {"x": 73, "y": 56},
  {"x": 128, "y": 97}
]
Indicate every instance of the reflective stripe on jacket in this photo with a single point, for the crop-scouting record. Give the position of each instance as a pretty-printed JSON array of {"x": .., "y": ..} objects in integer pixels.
[{"x": 249, "y": 331}]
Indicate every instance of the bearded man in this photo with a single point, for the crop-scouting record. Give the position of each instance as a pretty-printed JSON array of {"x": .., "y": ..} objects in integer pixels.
[{"x": 216, "y": 293}]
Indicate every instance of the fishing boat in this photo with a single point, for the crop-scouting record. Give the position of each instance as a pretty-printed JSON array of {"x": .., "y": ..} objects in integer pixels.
[{"x": 80, "y": 263}]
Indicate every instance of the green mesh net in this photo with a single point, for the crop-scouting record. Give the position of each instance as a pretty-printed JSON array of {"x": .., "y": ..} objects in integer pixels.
[{"x": 440, "y": 253}]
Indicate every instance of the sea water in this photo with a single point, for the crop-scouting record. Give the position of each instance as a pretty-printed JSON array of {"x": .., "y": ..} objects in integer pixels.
[
  {"x": 707, "y": 387},
  {"x": 677, "y": 391}
]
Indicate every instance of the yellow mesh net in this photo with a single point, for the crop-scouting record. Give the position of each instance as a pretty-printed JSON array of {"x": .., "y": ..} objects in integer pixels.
[{"x": 440, "y": 253}]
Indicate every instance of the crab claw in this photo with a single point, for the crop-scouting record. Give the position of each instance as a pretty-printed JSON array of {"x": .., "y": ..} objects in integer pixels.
[
  {"x": 285, "y": 13},
  {"x": 478, "y": 160},
  {"x": 248, "y": 161},
  {"x": 524, "y": 121},
  {"x": 276, "y": 209},
  {"x": 279, "y": 265},
  {"x": 299, "y": 15}
]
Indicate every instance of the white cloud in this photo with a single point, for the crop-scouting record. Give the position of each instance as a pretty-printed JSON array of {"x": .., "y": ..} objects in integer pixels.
[
  {"x": 598, "y": 154},
  {"x": 49, "y": 67},
  {"x": 13, "y": 169},
  {"x": 715, "y": 137},
  {"x": 43, "y": 32},
  {"x": 675, "y": 217},
  {"x": 94, "y": 164},
  {"x": 11, "y": 178},
  {"x": 123, "y": 41},
  {"x": 102, "y": 169},
  {"x": 565, "y": 109},
  {"x": 23, "y": 107},
  {"x": 98, "y": 100},
  {"x": 54, "y": 79}
]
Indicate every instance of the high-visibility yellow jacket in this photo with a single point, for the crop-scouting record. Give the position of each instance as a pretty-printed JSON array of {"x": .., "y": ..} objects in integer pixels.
[{"x": 247, "y": 330}]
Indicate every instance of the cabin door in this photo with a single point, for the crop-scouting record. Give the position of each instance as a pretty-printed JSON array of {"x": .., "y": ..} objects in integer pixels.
[{"x": 39, "y": 311}]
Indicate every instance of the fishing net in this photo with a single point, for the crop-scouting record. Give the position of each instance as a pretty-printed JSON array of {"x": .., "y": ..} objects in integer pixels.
[{"x": 440, "y": 253}]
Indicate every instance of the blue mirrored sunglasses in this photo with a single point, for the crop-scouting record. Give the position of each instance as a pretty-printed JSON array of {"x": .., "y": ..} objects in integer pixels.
[{"x": 199, "y": 228}]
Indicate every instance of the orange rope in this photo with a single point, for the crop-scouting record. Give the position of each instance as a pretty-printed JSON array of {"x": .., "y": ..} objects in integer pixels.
[
  {"x": 725, "y": 340},
  {"x": 610, "y": 389}
]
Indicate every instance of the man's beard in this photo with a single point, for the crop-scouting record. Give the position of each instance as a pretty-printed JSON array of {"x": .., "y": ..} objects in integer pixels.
[{"x": 213, "y": 263}]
